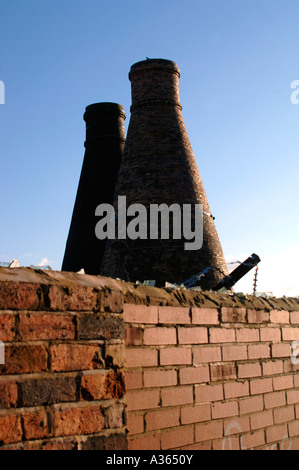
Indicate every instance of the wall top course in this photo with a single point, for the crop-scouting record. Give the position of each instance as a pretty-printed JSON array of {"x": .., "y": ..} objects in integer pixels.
[{"x": 142, "y": 294}]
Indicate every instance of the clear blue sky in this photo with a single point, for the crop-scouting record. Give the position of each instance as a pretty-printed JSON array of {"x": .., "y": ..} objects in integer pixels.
[{"x": 237, "y": 60}]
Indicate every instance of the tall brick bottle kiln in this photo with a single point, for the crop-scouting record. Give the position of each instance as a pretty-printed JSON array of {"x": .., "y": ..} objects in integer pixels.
[
  {"x": 104, "y": 144},
  {"x": 158, "y": 166}
]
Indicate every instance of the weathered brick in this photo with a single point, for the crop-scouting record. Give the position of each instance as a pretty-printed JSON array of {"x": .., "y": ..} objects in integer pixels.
[
  {"x": 133, "y": 336},
  {"x": 72, "y": 298},
  {"x": 10, "y": 428},
  {"x": 20, "y": 296},
  {"x": 45, "y": 391},
  {"x": 195, "y": 335},
  {"x": 8, "y": 394},
  {"x": 102, "y": 326},
  {"x": 21, "y": 359},
  {"x": 7, "y": 327},
  {"x": 111, "y": 442},
  {"x": 114, "y": 415},
  {"x": 233, "y": 315},
  {"x": 74, "y": 357},
  {"x": 115, "y": 355},
  {"x": 222, "y": 372},
  {"x": 35, "y": 424},
  {"x": 70, "y": 421},
  {"x": 100, "y": 385},
  {"x": 44, "y": 326}
]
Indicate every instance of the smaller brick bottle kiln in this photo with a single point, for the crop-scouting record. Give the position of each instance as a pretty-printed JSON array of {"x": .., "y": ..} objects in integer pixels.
[{"x": 104, "y": 144}]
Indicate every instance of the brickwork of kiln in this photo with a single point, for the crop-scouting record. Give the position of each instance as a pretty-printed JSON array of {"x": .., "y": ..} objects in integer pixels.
[
  {"x": 158, "y": 166},
  {"x": 95, "y": 363}
]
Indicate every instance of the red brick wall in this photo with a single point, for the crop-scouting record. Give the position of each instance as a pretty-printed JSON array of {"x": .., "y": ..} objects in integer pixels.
[
  {"x": 95, "y": 363},
  {"x": 211, "y": 378},
  {"x": 61, "y": 386}
]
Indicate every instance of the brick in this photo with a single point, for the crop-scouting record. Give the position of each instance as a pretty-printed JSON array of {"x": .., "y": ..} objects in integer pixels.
[
  {"x": 274, "y": 399},
  {"x": 194, "y": 375},
  {"x": 44, "y": 326},
  {"x": 294, "y": 318},
  {"x": 251, "y": 405},
  {"x": 160, "y": 378},
  {"x": 102, "y": 386},
  {"x": 236, "y": 389},
  {"x": 222, "y": 372},
  {"x": 272, "y": 367},
  {"x": 258, "y": 386},
  {"x": 111, "y": 301},
  {"x": 7, "y": 327},
  {"x": 114, "y": 416},
  {"x": 133, "y": 380},
  {"x": 270, "y": 334},
  {"x": 10, "y": 429},
  {"x": 133, "y": 336},
  {"x": 283, "y": 415},
  {"x": 276, "y": 433},
  {"x": 102, "y": 326},
  {"x": 236, "y": 425},
  {"x": 177, "y": 437},
  {"x": 233, "y": 315},
  {"x": 69, "y": 298},
  {"x": 71, "y": 421},
  {"x": 293, "y": 428},
  {"x": 227, "y": 443},
  {"x": 35, "y": 424},
  {"x": 177, "y": 315},
  {"x": 208, "y": 393},
  {"x": 46, "y": 391},
  {"x": 252, "y": 440},
  {"x": 135, "y": 424},
  {"x": 249, "y": 370},
  {"x": 115, "y": 356},
  {"x": 143, "y": 400},
  {"x": 247, "y": 335},
  {"x": 279, "y": 316},
  {"x": 140, "y": 314},
  {"x": 292, "y": 396},
  {"x": 195, "y": 335},
  {"x": 290, "y": 334},
  {"x": 234, "y": 352},
  {"x": 74, "y": 357},
  {"x": 224, "y": 410},
  {"x": 139, "y": 357},
  {"x": 207, "y": 431},
  {"x": 283, "y": 382},
  {"x": 195, "y": 413},
  {"x": 162, "y": 419},
  {"x": 21, "y": 359},
  {"x": 19, "y": 296},
  {"x": 111, "y": 442},
  {"x": 202, "y": 354},
  {"x": 261, "y": 420},
  {"x": 8, "y": 394},
  {"x": 175, "y": 396},
  {"x": 159, "y": 336},
  {"x": 222, "y": 335},
  {"x": 281, "y": 350},
  {"x": 258, "y": 316},
  {"x": 175, "y": 356},
  {"x": 205, "y": 316},
  {"x": 259, "y": 351},
  {"x": 145, "y": 442}
]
